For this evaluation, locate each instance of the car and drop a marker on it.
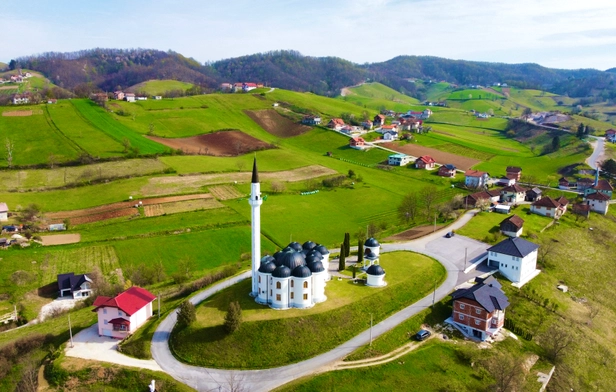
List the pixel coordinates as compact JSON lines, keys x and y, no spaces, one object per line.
{"x":423,"y":335}
{"x":450,"y":234}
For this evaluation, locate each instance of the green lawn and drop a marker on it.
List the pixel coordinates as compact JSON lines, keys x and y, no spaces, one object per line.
{"x":348,"y":308}
{"x":470,"y":94}
{"x":159,"y":87}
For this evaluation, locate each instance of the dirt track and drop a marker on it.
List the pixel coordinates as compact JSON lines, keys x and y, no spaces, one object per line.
{"x":220,"y":144}
{"x":443,"y":158}
{"x":413,"y":233}
{"x":276,"y":124}
{"x":17,"y":113}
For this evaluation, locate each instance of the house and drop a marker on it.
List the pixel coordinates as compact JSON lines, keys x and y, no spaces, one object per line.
{"x":425,"y":162}
{"x":141,"y":98}
{"x":514,"y":172}
{"x":563,"y":203}
{"x":20,"y":99}
{"x":501,"y":208}
{"x":157,"y":97}
{"x":549,"y":207}
{"x":426,"y":113}
{"x":515,"y":258}
{"x":357,"y":142}
{"x":379,"y":120}
{"x":479,"y":311}
{"x":512,"y":226}
{"x":52,"y":101}
{"x":513,"y":194}
{"x":474,"y":200}
{"x":118,"y":95}
{"x":129,"y":97}
{"x":76,"y":286}
{"x":410,"y":124}
{"x":598,"y":202}
{"x":388,"y":128}
{"x":533,"y":194}
{"x":248,"y":87}
{"x":335,"y":124}
{"x":563,"y":183}
{"x":367,"y":125}
{"x":398,"y":160}
{"x":390,"y":135}
{"x":582,"y":209}
{"x":122,"y":315}
{"x":505,"y":181}
{"x":602,"y":186}
{"x":311,"y":120}
{"x":226,"y":86}
{"x":475,"y":178}
{"x":346,"y":129}
{"x":447,"y":170}
{"x":237,"y":87}
{"x":4,"y":212}
{"x":610,"y":135}
{"x":585,"y":183}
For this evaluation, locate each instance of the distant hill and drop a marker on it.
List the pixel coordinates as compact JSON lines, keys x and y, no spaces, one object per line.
{"x":110,"y":69}
{"x":159,"y":87}
{"x":3,"y":66}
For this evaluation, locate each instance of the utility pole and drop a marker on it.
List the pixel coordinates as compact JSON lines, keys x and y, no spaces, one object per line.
{"x":159,"y":304}
{"x":370,"y":329}
{"x":435,"y":222}
{"x":434,"y":295}
{"x":70,"y":329}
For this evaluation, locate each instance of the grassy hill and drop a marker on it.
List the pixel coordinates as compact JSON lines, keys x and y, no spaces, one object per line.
{"x":159,"y":87}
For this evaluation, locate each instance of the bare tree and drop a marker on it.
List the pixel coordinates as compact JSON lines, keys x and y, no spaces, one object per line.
{"x":482,"y":204}
{"x":556,"y":340}
{"x":428,"y":195}
{"x":9,"y":146}
{"x":235,"y":382}
{"x":546,"y":248}
{"x":29,"y":376}
{"x":408,"y":209}
{"x":240,"y":163}
{"x":507,"y":371}
{"x":278,"y":187}
{"x":53,"y":161}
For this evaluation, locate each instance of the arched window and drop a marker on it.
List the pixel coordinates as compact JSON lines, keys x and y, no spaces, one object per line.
{"x":291,"y":295}
{"x":259,"y":279}
{"x":292,"y":282}
{"x":306,"y":284}
{"x":277,"y":285}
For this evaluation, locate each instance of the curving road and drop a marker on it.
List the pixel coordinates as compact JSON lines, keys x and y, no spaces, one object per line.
{"x":597,"y":154}
{"x":206,"y":379}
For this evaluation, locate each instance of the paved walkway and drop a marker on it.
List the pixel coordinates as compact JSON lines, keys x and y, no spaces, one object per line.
{"x":206,"y":379}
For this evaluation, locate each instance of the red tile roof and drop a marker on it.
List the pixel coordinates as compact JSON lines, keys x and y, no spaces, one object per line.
{"x":129,"y":301}
{"x":603,"y":185}
{"x":427,"y":159}
{"x":513,"y":169}
{"x":547,"y":202}
{"x":337,"y":121}
{"x":514,"y":188}
{"x":474,"y":173}
{"x":514,"y":220}
{"x":598,"y":196}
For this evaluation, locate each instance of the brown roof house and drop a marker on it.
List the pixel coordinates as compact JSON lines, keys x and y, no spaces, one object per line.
{"x":479,"y":311}
{"x":425,"y":162}
{"x":512,"y":226}
{"x":357,"y":142}
{"x":475,"y":200}
{"x":533,"y":194}
{"x":546,"y":206}
{"x":514,"y":173}
{"x":602,"y":186}
{"x":513,"y":194}
{"x":598,"y":202}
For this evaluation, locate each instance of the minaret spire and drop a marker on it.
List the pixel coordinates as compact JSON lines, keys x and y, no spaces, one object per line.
{"x":255,"y":172}
{"x":255,"y":202}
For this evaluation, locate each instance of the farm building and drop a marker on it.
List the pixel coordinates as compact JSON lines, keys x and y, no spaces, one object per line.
{"x":4,"y":212}
{"x":448,"y":170}
{"x":515,"y":258}
{"x":479,"y":311}
{"x":502,"y":209}
{"x":563,"y":183}
{"x":398,"y":160}
{"x":367,"y":125}
{"x":294,"y":277}
{"x":123,"y":314}
{"x":533,"y":194}
{"x":475,"y":199}
{"x":512,"y":226}
{"x":77,"y":286}
{"x":585,"y":183}
{"x":425,"y":162}
{"x":130,"y":97}
{"x":610,"y":135}
{"x":475,"y":178}
{"x":311,"y":120}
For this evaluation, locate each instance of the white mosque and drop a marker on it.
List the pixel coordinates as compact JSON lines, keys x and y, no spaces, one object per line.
{"x":295,"y":277}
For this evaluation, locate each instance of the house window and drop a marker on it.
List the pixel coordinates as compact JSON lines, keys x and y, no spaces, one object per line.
{"x":277,"y":297}
{"x":106,"y":322}
{"x":476,"y":322}
{"x":292,"y":283}
{"x":461,"y":306}
{"x":306,"y":284}
{"x":270,"y":293}
{"x":305,"y":297}
{"x":461,"y":317}
{"x":104,"y":310}
{"x":120,"y":327}
{"x":478,"y":311}
{"x":120,"y":313}
{"x":292,"y":296}
{"x":277,"y":285}
{"x":259,"y":279}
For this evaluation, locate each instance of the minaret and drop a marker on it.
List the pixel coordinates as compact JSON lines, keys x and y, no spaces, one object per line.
{"x":255,"y":202}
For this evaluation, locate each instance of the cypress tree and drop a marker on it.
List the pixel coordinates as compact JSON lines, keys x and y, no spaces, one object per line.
{"x":342,"y":261}
{"x":360,"y":251}
{"x":233,"y":318}
{"x":347,"y":244}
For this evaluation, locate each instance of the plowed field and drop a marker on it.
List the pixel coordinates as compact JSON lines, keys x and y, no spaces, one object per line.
{"x":276,"y":124}
{"x":225,"y":192}
{"x":443,"y":158}
{"x":104,"y":216}
{"x":220,"y":144}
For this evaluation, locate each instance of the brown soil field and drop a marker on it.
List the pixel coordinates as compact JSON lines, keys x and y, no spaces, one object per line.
{"x":60,"y":239}
{"x":276,"y":124}
{"x":17,"y":113}
{"x":413,"y":233}
{"x":462,"y":163}
{"x":225,"y":192}
{"x":184,"y":184}
{"x":122,"y":205}
{"x":153,"y":210}
{"x":104,"y":216}
{"x":220,"y":144}
{"x":191,"y":205}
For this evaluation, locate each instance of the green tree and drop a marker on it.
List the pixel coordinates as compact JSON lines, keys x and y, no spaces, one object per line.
{"x":233,"y":318}
{"x":187,"y":313}
{"x":609,"y":166}
{"x":581,"y":130}
{"x":409,"y":208}
{"x":526,"y":113}
{"x":342,"y":261}
{"x":555,"y":143}
{"x":347,"y":244}
{"x":360,"y":250}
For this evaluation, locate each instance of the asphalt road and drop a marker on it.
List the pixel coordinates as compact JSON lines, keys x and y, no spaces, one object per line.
{"x":597,"y":154}
{"x":207,"y":379}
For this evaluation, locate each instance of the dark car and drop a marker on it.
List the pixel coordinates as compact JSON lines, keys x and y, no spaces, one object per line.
{"x":423,"y":335}
{"x":450,"y":234}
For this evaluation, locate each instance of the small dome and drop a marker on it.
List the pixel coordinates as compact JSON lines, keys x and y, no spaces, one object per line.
{"x":308,"y":245}
{"x":267,"y":267}
{"x":302,"y":272}
{"x":281,"y":271}
{"x":295,"y":246}
{"x":371,"y":242}
{"x":322,"y":250}
{"x":369,"y":254}
{"x":317,"y":266}
{"x":375,"y":270}
{"x":293,"y":259}
{"x":267,"y":259}
{"x":313,"y":257}
{"x":316,"y":253}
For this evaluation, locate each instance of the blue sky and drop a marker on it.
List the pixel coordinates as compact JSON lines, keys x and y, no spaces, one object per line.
{"x":558,"y":34}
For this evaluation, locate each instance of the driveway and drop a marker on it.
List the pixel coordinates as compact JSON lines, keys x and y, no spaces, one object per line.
{"x":207,"y":379}
{"x":88,"y":345}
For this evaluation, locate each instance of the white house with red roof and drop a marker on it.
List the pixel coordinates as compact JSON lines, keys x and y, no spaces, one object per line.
{"x":123,"y":314}
{"x":357,"y":142}
{"x":599,"y":202}
{"x":475,"y":178}
{"x":425,"y":162}
{"x":610,"y":135}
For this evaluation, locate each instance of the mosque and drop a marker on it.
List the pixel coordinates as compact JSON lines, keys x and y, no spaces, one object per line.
{"x":295,"y":277}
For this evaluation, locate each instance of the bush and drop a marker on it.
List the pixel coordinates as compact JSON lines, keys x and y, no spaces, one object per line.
{"x":333,"y":182}
{"x":233,"y":318}
{"x":187,"y":314}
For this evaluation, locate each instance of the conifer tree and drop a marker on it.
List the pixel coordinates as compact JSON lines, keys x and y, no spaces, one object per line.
{"x":347,"y":244}
{"x":187,"y":314}
{"x":360,"y":251}
{"x":233,"y":318}
{"x":342,"y":262}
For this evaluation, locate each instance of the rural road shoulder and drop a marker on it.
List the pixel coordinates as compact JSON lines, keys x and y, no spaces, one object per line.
{"x":206,"y":379}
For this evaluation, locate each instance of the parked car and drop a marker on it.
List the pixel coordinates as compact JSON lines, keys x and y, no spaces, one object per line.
{"x":423,"y":335}
{"x":450,"y":234}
